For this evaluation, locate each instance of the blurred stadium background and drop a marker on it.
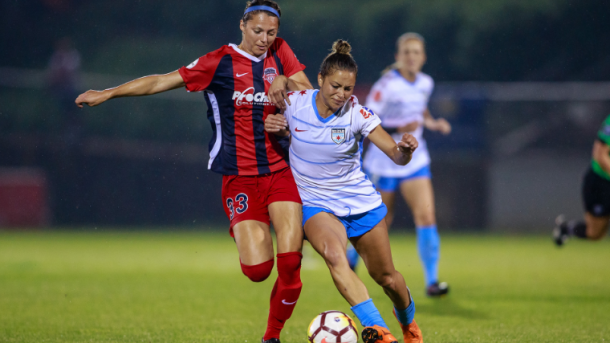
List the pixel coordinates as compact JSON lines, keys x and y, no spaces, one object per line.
{"x":525,"y":84}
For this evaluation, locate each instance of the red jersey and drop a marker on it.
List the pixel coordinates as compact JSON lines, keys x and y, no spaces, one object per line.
{"x":235,"y":86}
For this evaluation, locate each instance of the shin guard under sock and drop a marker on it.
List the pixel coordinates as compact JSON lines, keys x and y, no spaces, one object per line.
{"x":285,"y":292}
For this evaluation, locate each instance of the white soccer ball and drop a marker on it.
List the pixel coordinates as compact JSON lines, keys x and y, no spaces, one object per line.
{"x":332,"y":327}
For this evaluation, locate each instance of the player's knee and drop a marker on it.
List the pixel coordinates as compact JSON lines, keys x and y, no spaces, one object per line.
{"x":384,"y":279}
{"x":258,"y":272}
{"x":289,"y":266}
{"x":424,"y":218}
{"x":335,"y":258}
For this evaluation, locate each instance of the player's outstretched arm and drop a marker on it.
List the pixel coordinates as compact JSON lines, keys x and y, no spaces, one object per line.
{"x":441,"y":125}
{"x":400,"y":152}
{"x":277,"y":124}
{"x":278,"y":91}
{"x":146,"y":85}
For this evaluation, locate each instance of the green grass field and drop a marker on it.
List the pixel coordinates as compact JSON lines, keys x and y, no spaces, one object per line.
{"x":188,"y":287}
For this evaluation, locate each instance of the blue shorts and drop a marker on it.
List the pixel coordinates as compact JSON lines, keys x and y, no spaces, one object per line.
{"x":355,"y":225}
{"x":390,"y":184}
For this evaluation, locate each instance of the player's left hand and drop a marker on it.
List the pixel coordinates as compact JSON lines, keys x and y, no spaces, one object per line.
{"x":407,"y":144}
{"x":278,"y":92}
{"x":443,"y":126}
{"x":275,"y":123}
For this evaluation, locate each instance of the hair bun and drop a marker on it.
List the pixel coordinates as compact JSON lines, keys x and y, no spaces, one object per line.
{"x":342,"y":47}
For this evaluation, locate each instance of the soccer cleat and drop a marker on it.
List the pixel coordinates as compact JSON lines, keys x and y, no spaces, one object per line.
{"x":410,"y":333}
{"x":377,"y":334}
{"x":560,"y":232}
{"x":437,"y":289}
{"x":270,"y":340}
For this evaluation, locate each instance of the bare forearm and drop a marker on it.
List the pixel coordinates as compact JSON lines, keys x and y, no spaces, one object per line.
{"x":298,"y":86}
{"x":146,"y":85}
{"x":604,"y":162}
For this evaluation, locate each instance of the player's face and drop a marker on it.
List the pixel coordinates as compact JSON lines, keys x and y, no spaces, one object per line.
{"x":258,"y":33}
{"x":337,"y":88}
{"x":411,"y":56}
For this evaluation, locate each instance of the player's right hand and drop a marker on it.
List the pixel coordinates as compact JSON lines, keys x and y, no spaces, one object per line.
{"x":275,"y":123}
{"x":278,"y":92}
{"x":91,"y":98}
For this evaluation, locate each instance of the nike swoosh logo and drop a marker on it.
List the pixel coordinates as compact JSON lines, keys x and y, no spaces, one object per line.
{"x":240,"y":75}
{"x":297,"y":130}
{"x":287,"y":303}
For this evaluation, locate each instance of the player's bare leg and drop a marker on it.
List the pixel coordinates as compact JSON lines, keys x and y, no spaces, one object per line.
{"x":374,"y":248}
{"x":389,"y":199}
{"x":419,"y":195}
{"x":592,"y":228}
{"x":327,"y":236}
{"x":596,"y":226}
{"x":286,"y":217}
{"x":254,"y":242}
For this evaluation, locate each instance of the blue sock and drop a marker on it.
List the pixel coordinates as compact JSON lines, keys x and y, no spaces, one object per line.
{"x":428,"y":244}
{"x":352,"y":257}
{"x":405,"y":317}
{"x":368,"y":314}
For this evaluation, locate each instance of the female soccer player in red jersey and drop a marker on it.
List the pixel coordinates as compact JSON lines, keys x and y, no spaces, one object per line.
{"x":258,"y":186}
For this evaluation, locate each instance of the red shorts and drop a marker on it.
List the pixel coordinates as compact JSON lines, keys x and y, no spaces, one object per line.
{"x":248,"y":197}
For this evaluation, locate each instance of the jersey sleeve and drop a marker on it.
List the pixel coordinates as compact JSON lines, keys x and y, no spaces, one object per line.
{"x":365,"y":120}
{"x":376,"y":98}
{"x":604,"y":132}
{"x":290,"y":63}
{"x":290,"y":109}
{"x":198,"y":75}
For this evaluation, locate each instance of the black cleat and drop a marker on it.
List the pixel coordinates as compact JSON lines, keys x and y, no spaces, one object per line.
{"x":270,"y":340}
{"x":437,"y":289}
{"x":560,"y":232}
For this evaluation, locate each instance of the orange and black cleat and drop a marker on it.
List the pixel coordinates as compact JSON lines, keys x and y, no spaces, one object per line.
{"x":377,"y":334}
{"x":411,"y":333}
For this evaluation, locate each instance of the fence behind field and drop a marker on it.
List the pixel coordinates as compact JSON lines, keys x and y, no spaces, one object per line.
{"x":513,"y":162}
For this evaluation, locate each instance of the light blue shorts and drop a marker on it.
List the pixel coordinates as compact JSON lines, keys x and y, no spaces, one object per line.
{"x":390,"y":184}
{"x":355,"y":225}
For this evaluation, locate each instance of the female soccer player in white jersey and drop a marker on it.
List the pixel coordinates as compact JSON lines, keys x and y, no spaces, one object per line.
{"x":327,"y":128}
{"x":258,"y":186}
{"x":400,"y":98}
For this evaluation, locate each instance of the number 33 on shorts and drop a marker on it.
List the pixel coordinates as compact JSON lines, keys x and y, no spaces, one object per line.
{"x":239,"y":205}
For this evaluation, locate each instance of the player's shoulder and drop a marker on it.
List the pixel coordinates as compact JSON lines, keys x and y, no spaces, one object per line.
{"x":425,"y":80}
{"x":298,"y":98}
{"x":211,"y":57}
{"x":355,"y":108}
{"x":278,"y":44}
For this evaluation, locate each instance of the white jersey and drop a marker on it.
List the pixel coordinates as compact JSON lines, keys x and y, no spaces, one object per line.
{"x":325,"y":155}
{"x":399,"y":102}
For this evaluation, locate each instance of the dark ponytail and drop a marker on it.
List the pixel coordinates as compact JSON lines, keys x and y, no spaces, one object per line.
{"x":339,"y":59}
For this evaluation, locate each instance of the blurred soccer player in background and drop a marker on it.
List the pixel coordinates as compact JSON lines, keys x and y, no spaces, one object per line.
{"x":258,"y":186}
{"x":400,"y":98}
{"x":340,"y":203}
{"x":595,"y":193}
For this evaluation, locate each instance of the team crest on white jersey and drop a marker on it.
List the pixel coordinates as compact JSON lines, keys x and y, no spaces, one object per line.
{"x":269,"y":74}
{"x":338,"y":135}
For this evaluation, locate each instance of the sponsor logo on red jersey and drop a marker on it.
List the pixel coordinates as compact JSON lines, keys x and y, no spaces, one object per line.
{"x":248,"y":97}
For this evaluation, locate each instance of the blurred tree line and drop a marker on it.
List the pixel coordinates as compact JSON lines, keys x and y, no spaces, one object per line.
{"x":499,"y":40}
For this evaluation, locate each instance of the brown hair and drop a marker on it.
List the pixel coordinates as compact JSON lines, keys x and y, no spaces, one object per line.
{"x":339,"y":59}
{"x":269,"y":3}
{"x":403,"y":38}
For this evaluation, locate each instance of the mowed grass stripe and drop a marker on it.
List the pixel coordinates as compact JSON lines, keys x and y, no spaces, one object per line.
{"x":188,"y":287}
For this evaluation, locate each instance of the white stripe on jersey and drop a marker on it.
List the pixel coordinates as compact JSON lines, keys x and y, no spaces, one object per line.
{"x":325,"y":155}
{"x":399,"y":102}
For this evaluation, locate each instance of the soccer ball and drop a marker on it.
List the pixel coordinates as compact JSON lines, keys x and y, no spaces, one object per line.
{"x":332,"y":327}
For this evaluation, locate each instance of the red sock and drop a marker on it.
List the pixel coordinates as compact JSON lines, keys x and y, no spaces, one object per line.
{"x":285,"y":292}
